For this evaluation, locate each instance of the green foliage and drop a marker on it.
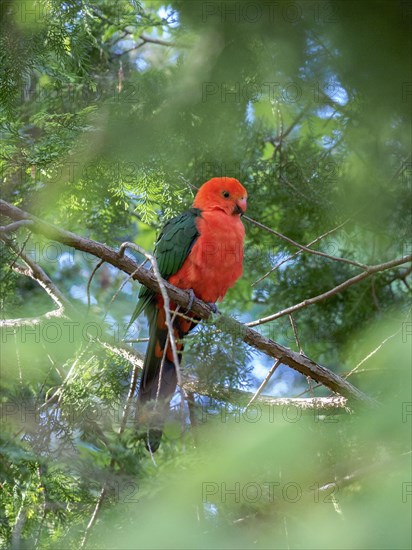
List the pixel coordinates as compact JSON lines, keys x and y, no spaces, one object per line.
{"x":110,"y":113}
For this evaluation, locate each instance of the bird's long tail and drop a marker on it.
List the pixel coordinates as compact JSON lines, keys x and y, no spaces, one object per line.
{"x":158,"y":382}
{"x":159,"y":379}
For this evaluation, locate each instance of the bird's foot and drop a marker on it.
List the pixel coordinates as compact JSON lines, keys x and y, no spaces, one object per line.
{"x":192,"y":297}
{"x":191,"y":300}
{"x":213,"y":307}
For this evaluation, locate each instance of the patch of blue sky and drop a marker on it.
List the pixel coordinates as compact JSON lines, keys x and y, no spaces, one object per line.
{"x":141,"y":64}
{"x":336,"y":93}
{"x":123,"y":45}
{"x":210,"y":509}
{"x":66,"y":260}
{"x":282,"y":383}
{"x":250,"y":113}
{"x":327,"y":111}
{"x":130,"y":288}
{"x":328,"y":142}
{"x":277,"y":257}
{"x":78,"y":293}
{"x":260,"y":295}
{"x":339,"y":94}
{"x":170,"y":15}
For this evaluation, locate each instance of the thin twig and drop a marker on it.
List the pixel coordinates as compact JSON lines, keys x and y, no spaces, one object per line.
{"x":115,"y":295}
{"x":401,"y":276}
{"x":103,"y":492}
{"x":191,"y":405}
{"x":310,"y":388}
{"x":372,"y":353}
{"x":355,"y":369}
{"x":265,"y":382}
{"x":35,"y":272}
{"x":132,"y":389}
{"x":300,"y":251}
{"x":157,"y":41}
{"x":295,"y":332}
{"x":242,"y":398}
{"x":122,"y":349}
{"x":364,"y":471}
{"x":58,"y":394}
{"x":89,"y":282}
{"x":94,"y":516}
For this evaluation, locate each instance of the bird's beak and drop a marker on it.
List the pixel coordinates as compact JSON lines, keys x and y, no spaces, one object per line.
{"x":240,"y":207}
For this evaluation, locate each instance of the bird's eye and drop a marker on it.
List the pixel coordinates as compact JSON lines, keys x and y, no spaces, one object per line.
{"x":226,"y":194}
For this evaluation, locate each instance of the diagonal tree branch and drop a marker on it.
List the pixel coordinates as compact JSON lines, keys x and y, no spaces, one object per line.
{"x":297,"y":361}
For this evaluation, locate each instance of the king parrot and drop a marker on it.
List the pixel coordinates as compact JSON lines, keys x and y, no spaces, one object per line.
{"x":199,"y":250}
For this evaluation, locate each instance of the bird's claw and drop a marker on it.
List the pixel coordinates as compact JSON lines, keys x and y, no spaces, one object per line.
{"x":213,"y":307}
{"x":192,"y":297}
{"x":191,"y":300}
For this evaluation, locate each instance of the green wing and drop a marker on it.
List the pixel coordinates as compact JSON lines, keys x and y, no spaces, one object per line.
{"x":172,"y":248}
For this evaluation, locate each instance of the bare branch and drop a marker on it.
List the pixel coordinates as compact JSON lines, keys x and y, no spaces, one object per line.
{"x":283,"y":134}
{"x":132,"y":49}
{"x":116,"y":294}
{"x":356,"y":367}
{"x":125,"y":351}
{"x":370,"y":270}
{"x":132,"y":389}
{"x":15,"y":226}
{"x":151,"y":40}
{"x":93,"y":518}
{"x":243,"y":398}
{"x":305,"y":248}
{"x":372,"y":353}
{"x":145,"y":40}
{"x":32,"y":321}
{"x":300,"y":251}
{"x":402,"y":275}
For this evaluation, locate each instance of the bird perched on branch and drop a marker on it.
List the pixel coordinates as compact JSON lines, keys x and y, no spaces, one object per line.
{"x":200,"y":250}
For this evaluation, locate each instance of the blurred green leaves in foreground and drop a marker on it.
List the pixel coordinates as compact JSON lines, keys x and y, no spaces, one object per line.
{"x":280,"y":478}
{"x":110,"y":112}
{"x":263,"y":477}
